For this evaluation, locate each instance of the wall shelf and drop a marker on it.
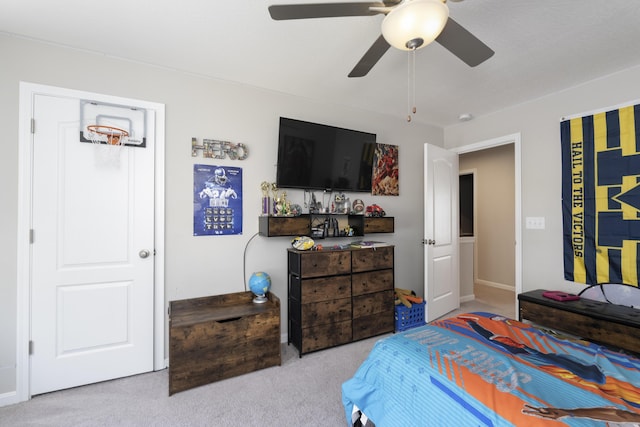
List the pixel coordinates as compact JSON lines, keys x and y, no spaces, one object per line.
{"x":274,"y":226}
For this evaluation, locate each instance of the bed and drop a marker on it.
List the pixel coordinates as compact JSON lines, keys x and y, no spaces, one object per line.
{"x":481,"y":369}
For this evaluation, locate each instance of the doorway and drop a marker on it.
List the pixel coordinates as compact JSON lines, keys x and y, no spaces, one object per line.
{"x":498,"y":280}
{"x":58,"y":112}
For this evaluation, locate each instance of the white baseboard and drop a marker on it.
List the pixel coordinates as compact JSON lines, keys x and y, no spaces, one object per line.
{"x":496,"y":285}
{"x":9,"y":398}
{"x":467,"y":298}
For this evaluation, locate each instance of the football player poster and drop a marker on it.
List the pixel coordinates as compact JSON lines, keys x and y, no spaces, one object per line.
{"x":217,"y":200}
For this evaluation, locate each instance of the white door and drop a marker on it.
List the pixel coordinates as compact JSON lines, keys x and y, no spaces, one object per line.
{"x":441,"y":264}
{"x":92,"y":287}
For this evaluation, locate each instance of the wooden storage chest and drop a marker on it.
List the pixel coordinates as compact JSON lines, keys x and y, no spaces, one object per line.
{"x":610,"y":324}
{"x":218,"y":337}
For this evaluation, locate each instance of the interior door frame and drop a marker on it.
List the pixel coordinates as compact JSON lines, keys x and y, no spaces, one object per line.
{"x":514,"y":139}
{"x":470,"y":239}
{"x":28,"y":91}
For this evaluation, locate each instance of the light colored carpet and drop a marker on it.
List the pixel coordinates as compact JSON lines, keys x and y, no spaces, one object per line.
{"x":301,"y":392}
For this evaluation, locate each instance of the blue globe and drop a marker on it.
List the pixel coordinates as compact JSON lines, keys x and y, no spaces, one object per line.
{"x":260,"y":283}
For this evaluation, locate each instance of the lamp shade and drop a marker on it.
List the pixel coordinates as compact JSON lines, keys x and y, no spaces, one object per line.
{"x":415,"y":23}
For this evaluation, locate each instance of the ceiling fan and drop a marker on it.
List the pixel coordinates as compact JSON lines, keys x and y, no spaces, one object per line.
{"x":407,"y":25}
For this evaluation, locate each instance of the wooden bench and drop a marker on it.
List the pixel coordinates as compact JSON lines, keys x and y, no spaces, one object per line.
{"x":615,"y":326}
{"x":218,"y":337}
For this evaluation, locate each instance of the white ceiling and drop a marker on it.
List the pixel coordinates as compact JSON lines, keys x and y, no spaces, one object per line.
{"x":541,"y":47}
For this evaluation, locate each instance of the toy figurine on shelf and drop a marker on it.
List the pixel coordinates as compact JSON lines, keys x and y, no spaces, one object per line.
{"x":313,"y":205}
{"x":274,"y":197}
{"x":358,"y":207}
{"x":342,"y":204}
{"x":277,"y":206}
{"x":282,"y":205}
{"x":287,"y":205}
{"x":336,"y":205}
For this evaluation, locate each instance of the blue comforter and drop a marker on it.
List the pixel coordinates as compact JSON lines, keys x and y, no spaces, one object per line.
{"x":479,"y":369}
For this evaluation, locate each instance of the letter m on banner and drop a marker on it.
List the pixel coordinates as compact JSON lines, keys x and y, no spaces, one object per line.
{"x":601,"y":197}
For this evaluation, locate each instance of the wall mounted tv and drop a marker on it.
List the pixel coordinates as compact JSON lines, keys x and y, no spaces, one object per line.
{"x":320,"y":157}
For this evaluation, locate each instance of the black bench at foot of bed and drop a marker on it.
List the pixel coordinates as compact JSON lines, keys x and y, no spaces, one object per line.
{"x":613,"y":325}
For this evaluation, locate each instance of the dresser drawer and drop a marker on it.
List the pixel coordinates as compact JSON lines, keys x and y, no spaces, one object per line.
{"x":325,"y":288}
{"x":372,"y":281}
{"x":372,"y":259}
{"x":369,"y":326}
{"x":380,"y":302}
{"x":317,"y":264}
{"x":324,"y":336}
{"x":332,"y":311}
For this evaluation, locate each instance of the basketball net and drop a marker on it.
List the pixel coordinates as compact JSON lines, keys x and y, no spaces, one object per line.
{"x":108,"y":141}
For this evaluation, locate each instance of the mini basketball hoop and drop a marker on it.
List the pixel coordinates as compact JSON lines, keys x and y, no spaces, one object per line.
{"x":109,"y":141}
{"x":110,"y":135}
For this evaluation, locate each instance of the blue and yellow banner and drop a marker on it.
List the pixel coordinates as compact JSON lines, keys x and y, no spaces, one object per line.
{"x":601,"y":197}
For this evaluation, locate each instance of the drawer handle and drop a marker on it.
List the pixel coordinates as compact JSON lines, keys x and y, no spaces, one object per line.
{"x":231,"y":319}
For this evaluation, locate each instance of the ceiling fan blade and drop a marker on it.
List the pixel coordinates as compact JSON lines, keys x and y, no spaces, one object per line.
{"x":322,"y":10}
{"x":370,"y":58}
{"x":457,"y":40}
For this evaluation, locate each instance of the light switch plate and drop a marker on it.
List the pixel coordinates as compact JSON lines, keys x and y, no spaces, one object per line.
{"x":534,"y":222}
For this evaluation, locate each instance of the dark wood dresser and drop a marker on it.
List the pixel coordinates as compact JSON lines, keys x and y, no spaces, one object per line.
{"x":339,"y":296}
{"x":615,"y":326}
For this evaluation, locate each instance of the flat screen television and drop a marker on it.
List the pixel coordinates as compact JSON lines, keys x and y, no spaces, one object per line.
{"x":320,"y":157}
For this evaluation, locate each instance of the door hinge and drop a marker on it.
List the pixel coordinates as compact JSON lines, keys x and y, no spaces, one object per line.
{"x":30,"y":348}
{"x":33,"y":125}
{"x":31,"y":236}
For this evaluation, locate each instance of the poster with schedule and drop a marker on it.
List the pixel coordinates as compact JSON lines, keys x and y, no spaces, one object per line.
{"x":217,"y":200}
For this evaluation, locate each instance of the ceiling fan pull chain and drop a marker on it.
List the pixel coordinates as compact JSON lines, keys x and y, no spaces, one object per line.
{"x":413,"y":66}
{"x":408,"y":87}
{"x":411,"y":83}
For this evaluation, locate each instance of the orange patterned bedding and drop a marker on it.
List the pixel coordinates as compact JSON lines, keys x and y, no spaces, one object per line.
{"x":480,"y":369}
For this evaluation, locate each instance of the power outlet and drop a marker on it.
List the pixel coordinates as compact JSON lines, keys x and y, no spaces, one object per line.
{"x":534,"y":222}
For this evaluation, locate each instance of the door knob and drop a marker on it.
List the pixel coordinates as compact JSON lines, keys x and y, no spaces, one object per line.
{"x":428,"y":242}
{"x":143,"y":253}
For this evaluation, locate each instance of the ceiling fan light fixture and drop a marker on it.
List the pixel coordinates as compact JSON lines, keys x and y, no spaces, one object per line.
{"x":415,"y":23}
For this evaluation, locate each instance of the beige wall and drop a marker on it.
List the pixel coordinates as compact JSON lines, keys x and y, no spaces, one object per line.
{"x":538,"y":122}
{"x":203,"y":108}
{"x":495,"y":214}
